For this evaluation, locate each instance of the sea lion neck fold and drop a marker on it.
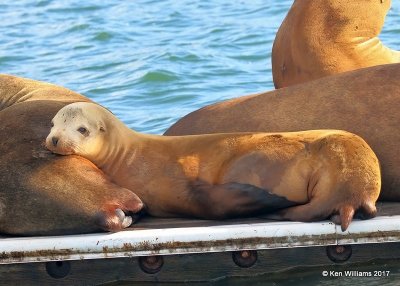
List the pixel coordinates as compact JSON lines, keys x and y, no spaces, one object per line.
{"x":117,"y":147}
{"x":323,"y":37}
{"x":124,"y":147}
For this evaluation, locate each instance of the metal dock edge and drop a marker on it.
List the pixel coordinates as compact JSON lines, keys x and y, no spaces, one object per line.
{"x":185,"y":240}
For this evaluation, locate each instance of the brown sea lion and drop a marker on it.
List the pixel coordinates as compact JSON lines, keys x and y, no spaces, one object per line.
{"x":44,"y":194}
{"x":322,"y":172}
{"x":365,"y":102}
{"x":324,"y":37}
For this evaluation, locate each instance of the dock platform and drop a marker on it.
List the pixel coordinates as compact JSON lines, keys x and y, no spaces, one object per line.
{"x":179,"y":250}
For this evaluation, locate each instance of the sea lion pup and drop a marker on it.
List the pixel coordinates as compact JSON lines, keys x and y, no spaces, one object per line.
{"x":365,"y":102}
{"x":322,"y":172}
{"x":324,"y":37}
{"x":42,"y":193}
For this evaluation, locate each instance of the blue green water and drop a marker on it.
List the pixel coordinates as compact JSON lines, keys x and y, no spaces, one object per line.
{"x":150,"y":62}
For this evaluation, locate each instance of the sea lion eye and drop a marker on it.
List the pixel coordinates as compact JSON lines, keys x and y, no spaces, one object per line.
{"x":83,"y":131}
{"x":52,"y":123}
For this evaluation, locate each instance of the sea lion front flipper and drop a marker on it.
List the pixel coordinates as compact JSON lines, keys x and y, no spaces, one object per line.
{"x":234,"y":200}
{"x":115,"y":216}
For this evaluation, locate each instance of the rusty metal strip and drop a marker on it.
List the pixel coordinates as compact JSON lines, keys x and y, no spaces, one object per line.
{"x":196,"y":240}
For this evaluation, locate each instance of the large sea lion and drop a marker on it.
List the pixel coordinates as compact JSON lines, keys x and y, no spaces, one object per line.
{"x":365,"y":102}
{"x":44,"y":194}
{"x":322,"y":172}
{"x":325,"y":37}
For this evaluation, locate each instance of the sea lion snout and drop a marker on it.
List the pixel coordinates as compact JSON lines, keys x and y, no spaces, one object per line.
{"x":57,"y":144}
{"x":54,"y":140}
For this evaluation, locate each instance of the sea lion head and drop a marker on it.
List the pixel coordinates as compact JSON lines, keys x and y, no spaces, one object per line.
{"x":78,"y":128}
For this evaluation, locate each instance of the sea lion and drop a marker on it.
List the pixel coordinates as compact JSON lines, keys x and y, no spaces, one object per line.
{"x":44,"y":194}
{"x":321,"y":172}
{"x":324,"y":37}
{"x":364,"y":102}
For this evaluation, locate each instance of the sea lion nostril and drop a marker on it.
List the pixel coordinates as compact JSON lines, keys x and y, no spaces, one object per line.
{"x":55,"y":141}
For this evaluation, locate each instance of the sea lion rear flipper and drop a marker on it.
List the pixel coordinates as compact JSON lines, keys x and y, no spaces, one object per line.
{"x":346,"y":214}
{"x":368,"y":210}
{"x":235,"y":199}
{"x":315,"y":211}
{"x":311,"y":211}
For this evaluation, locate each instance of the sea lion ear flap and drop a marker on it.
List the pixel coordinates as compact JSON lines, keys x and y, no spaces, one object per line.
{"x":102,"y":126}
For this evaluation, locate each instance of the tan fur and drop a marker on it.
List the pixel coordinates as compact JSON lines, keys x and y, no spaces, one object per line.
{"x":364,"y":102}
{"x":44,"y":194}
{"x":15,"y":90}
{"x":324,"y":37}
{"x":329,"y":169}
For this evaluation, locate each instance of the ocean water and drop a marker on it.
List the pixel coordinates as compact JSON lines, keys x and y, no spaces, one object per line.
{"x":151,"y":62}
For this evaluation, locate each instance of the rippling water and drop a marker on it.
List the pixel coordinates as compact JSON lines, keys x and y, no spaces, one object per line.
{"x":150,"y":62}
